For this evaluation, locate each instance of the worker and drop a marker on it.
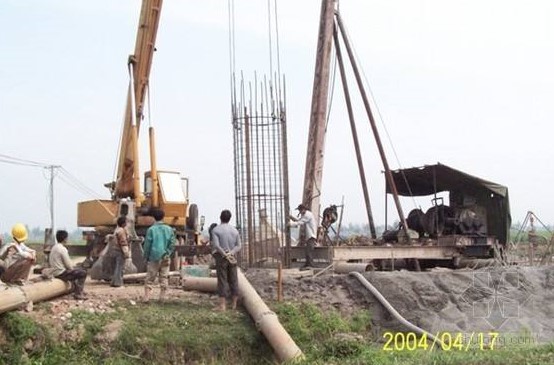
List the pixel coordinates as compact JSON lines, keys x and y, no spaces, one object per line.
{"x":330,"y":216}
{"x":17,"y":257}
{"x":62,"y":268}
{"x":121,"y":252}
{"x":307,"y":221}
{"x":158,"y":247}
{"x":226,"y":244}
{"x":210,"y":233}
{"x":2,"y":265}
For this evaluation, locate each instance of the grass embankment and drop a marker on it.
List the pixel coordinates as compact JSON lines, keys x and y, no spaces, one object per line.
{"x":169,"y":333}
{"x":178,"y":333}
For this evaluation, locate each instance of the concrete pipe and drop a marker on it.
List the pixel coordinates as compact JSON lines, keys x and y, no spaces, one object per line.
{"x":348,"y":267}
{"x":142,"y":276}
{"x":201,"y":284}
{"x":17,"y":296}
{"x":266,"y":321}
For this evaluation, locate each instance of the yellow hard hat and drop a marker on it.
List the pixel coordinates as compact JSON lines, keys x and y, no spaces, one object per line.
{"x":19,"y":232}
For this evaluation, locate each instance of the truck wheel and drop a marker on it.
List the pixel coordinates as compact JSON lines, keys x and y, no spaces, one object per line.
{"x":192,"y":219}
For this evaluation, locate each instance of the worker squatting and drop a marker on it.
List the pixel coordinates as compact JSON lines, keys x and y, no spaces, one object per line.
{"x":17,"y":259}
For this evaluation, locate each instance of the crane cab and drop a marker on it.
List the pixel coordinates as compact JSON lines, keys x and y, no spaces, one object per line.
{"x":172,"y":196}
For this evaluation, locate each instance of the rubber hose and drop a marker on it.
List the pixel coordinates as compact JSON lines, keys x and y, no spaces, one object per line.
{"x":391,"y":309}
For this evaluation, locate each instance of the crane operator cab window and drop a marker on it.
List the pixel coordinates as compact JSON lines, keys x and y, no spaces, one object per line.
{"x":174,"y":189}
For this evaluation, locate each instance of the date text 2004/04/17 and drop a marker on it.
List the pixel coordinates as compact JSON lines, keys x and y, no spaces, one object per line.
{"x":447,"y":341}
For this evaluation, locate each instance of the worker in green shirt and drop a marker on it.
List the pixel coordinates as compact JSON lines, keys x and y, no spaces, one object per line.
{"x":158,"y":247}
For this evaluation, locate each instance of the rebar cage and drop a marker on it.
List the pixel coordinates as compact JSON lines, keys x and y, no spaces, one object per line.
{"x":261,"y":172}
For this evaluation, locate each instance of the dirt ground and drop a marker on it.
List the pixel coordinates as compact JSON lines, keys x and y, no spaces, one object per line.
{"x":513,"y":301}
{"x":101,"y":297}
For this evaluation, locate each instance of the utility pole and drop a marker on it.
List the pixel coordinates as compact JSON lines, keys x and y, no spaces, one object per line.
{"x":49,"y":234}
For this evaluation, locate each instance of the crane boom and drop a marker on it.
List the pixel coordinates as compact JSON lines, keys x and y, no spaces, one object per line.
{"x":165,"y":190}
{"x":141,"y":62}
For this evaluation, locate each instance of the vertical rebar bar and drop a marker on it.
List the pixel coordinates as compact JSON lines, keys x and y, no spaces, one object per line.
{"x":248,"y":188}
{"x":285,"y":175}
{"x":257,"y":160}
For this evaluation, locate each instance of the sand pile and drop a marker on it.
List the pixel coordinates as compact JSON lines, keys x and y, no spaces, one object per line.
{"x":514,"y":301}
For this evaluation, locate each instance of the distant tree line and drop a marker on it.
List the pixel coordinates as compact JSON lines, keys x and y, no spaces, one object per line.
{"x":36,"y":234}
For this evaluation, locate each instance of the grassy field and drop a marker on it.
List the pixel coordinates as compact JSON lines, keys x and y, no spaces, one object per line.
{"x":191,"y":333}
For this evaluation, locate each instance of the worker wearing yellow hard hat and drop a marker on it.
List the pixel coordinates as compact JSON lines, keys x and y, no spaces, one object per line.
{"x":17,"y":258}
{"x":19,"y":232}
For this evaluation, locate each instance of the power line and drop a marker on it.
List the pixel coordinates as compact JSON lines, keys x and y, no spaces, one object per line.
{"x":21,"y":162}
{"x":75,"y":183}
{"x":53,"y":171}
{"x":50,"y":196}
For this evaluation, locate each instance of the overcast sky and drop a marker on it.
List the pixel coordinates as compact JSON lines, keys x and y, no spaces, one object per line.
{"x":466,"y":83}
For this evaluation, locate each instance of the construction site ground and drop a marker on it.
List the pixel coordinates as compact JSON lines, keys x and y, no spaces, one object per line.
{"x":513,"y":301}
{"x":516,"y":303}
{"x":438,"y":300}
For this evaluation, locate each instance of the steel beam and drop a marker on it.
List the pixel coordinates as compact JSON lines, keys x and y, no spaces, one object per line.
{"x":345,"y":253}
{"x":395,"y":252}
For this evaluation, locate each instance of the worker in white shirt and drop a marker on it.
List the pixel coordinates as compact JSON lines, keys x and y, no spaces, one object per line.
{"x":62,"y":267}
{"x":307,"y":221}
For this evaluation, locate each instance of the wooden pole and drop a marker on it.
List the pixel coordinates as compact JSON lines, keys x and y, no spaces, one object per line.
{"x":388,"y":173}
{"x":280,"y":282}
{"x":313,"y":173}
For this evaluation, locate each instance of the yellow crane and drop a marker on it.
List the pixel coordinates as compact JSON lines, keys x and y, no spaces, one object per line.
{"x":167,"y":190}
